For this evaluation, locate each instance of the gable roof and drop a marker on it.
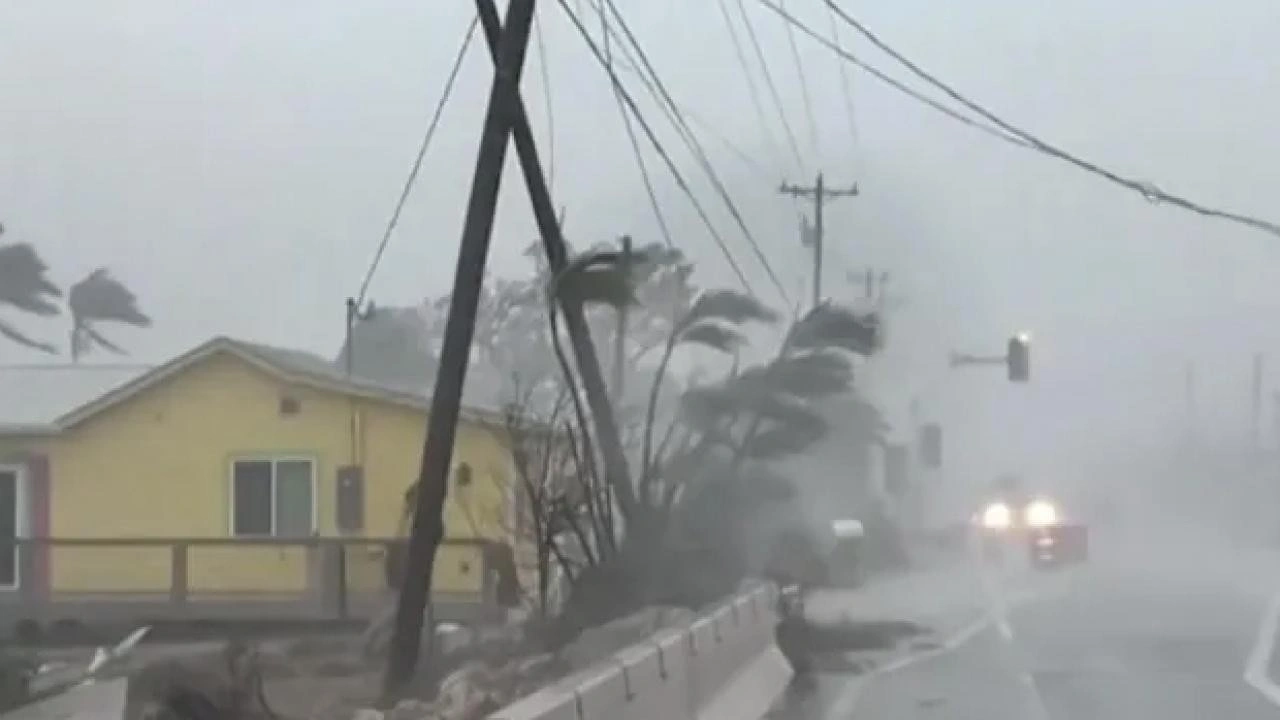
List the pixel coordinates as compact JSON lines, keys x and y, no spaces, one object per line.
{"x":290,"y":366}
{"x":33,"y":396}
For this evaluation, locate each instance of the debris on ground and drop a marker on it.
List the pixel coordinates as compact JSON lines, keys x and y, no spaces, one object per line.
{"x":478,"y":672}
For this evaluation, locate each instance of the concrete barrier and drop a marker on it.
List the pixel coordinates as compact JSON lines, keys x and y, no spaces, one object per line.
{"x":92,"y":701}
{"x":725,"y":665}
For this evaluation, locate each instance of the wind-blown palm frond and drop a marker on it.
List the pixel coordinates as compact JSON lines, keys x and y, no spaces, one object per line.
{"x":101,"y":298}
{"x":602,"y":277}
{"x":811,"y":375}
{"x":17,"y":336}
{"x":23,"y":285}
{"x":716,"y":337}
{"x":832,"y":326}
{"x":22,"y":280}
{"x":783,"y":440}
{"x":784,"y":410}
{"x":728,"y":306}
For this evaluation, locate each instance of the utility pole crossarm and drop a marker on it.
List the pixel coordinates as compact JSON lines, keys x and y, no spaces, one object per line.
{"x":808,"y":192}
{"x":820,"y":195}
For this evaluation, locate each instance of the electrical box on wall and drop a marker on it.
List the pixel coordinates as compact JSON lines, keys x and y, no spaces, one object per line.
{"x":350,"y":500}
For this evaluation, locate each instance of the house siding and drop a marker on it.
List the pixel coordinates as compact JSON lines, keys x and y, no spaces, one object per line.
{"x":158,"y":465}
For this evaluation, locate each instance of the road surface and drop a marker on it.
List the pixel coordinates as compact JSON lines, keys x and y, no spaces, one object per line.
{"x":1142,"y":632}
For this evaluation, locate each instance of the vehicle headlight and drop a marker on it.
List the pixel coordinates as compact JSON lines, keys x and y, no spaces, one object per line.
{"x":1041,"y":513}
{"x":997,"y":516}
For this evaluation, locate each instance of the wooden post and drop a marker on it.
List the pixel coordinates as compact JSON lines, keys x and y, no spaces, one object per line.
{"x":584,"y":351}
{"x":446,"y":400}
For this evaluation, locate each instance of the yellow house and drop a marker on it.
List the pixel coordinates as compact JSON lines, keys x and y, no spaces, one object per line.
{"x":236,"y":441}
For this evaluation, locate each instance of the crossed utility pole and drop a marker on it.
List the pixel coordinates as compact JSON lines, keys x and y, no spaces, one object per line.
{"x":505,"y":119}
{"x":821,"y":195}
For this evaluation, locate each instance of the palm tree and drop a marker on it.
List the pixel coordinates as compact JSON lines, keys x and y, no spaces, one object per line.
{"x":100,"y":298}
{"x":23,"y":285}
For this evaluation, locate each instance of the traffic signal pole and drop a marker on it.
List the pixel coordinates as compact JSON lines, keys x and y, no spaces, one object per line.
{"x":820,"y":194}
{"x":1017,"y":359}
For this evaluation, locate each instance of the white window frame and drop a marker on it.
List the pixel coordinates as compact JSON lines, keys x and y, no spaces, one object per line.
{"x":273,"y":459}
{"x":21,"y":521}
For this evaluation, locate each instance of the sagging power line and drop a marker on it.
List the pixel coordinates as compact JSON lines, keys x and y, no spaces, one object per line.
{"x":681,"y":182}
{"x":773,"y":88}
{"x":889,"y":80}
{"x":804,"y":89}
{"x":1006,"y":130}
{"x":654,"y":84}
{"x":427,"y":136}
{"x":695,"y":147}
{"x":606,"y":32}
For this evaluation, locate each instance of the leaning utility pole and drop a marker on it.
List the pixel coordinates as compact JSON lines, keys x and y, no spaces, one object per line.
{"x":620,"y":333}
{"x":506,"y":115}
{"x":820,"y":194}
{"x":446,"y":400}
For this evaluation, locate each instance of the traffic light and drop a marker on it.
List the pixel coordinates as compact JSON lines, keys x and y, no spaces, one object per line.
{"x":1019,"y":358}
{"x":931,"y":446}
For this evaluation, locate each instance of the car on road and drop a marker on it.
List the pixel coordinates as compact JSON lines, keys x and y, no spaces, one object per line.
{"x":1037,"y":524}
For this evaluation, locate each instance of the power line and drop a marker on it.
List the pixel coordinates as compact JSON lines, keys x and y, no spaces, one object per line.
{"x":417,"y":162}
{"x":891,"y":81}
{"x":731,"y":146}
{"x":804,"y":88}
{"x":685,"y":112}
{"x":768,"y":79}
{"x":751,"y":83}
{"x":677,"y":114}
{"x":846,"y":90}
{"x":671,"y":166}
{"x":546,"y":99}
{"x":691,"y":140}
{"x":606,"y":33}
{"x":1146,"y":189}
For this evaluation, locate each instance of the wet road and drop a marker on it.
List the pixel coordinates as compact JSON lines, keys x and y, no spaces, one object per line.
{"x":1137,"y":634}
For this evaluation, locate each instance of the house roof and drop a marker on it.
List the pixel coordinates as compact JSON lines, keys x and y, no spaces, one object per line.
{"x":34,"y":396}
{"x":291,"y":366}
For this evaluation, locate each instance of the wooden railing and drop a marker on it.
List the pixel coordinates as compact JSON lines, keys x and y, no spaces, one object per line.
{"x":199,"y":579}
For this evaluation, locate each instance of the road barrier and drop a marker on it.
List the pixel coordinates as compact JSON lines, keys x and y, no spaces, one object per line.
{"x":725,"y":665}
{"x":91,"y":701}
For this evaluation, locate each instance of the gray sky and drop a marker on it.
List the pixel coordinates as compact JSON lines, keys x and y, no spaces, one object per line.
{"x":235,"y":162}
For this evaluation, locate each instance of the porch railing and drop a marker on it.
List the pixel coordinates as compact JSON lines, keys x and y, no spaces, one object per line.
{"x":222,"y":579}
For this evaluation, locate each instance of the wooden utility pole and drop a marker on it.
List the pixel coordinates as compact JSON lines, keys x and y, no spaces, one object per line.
{"x":506,"y":114}
{"x":620,"y":334}
{"x":820,"y":194}
{"x":437,"y":453}
{"x":608,"y":437}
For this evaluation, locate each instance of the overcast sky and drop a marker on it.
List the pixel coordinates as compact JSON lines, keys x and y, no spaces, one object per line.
{"x":235,"y":162}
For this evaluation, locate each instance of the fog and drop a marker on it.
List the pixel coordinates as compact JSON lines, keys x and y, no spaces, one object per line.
{"x":197,"y":148}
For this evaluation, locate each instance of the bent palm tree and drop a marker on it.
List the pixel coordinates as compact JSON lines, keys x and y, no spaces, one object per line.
{"x":100,"y":298}
{"x":24,"y":286}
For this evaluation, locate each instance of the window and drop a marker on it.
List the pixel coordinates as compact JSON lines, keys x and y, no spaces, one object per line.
{"x":273,"y":497}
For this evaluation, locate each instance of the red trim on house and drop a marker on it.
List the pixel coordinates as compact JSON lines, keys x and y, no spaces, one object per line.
{"x":39,"y":477}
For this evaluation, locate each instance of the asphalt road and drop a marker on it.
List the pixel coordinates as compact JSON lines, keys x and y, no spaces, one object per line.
{"x":1146,"y":630}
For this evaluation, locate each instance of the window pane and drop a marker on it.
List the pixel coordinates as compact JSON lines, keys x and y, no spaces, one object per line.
{"x":251,"y":495}
{"x":8,"y":528}
{"x":293,"y":498}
